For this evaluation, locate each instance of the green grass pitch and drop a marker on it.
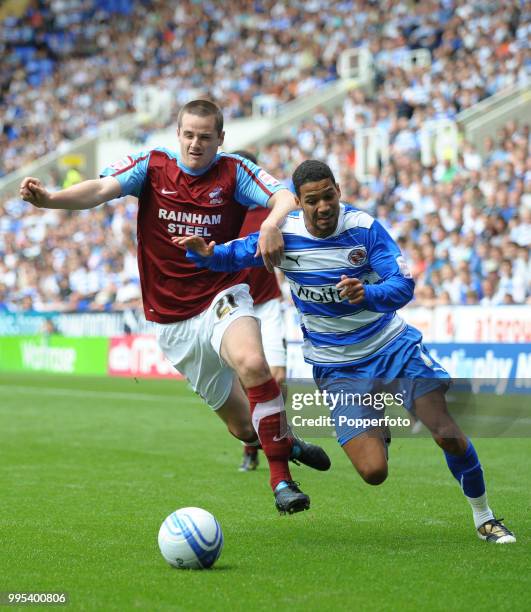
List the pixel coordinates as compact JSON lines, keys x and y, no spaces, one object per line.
{"x":89,"y":468}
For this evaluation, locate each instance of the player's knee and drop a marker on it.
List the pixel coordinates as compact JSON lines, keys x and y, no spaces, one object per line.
{"x":442,"y":426}
{"x":373,"y":474}
{"x":251,"y":366}
{"x":243,"y":431}
{"x":445,"y":433}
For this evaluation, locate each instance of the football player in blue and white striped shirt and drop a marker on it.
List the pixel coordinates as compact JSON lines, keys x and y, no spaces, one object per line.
{"x":347,"y":279}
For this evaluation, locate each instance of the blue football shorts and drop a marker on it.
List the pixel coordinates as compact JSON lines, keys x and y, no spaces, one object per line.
{"x":361,"y":392}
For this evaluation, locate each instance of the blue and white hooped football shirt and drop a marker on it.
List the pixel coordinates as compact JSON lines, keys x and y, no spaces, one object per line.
{"x":335,"y":332}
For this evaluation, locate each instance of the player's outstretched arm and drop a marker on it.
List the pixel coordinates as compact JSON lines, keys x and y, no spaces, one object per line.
{"x":230,"y":257}
{"x":86,"y":194}
{"x":271,"y":243}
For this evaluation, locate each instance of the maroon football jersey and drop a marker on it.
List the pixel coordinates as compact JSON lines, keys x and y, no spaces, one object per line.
{"x":263,"y":284}
{"x":174,"y":202}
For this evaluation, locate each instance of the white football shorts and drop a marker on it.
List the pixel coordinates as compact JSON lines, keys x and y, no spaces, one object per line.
{"x":273,"y":331}
{"x":193,"y":345}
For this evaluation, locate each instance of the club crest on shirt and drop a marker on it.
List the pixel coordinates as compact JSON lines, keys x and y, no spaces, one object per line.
{"x":358,"y":256}
{"x":215,"y":196}
{"x":123,"y":163}
{"x":267,"y":179}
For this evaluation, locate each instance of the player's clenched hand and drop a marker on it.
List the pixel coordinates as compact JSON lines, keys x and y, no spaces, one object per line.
{"x":195,"y":244}
{"x":33,"y":191}
{"x":270,"y":245}
{"x":351,"y":289}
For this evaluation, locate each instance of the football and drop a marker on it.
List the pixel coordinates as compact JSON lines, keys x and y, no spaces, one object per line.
{"x":190,"y":538}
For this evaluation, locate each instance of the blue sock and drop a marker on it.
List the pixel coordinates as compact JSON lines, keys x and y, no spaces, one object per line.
{"x":467,"y":471}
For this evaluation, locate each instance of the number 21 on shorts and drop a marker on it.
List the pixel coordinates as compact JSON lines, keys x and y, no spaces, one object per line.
{"x":225,"y":306}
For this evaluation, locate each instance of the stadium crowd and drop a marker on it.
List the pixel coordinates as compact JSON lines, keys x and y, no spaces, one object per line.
{"x":465,"y":229}
{"x":464,"y":224}
{"x":83,"y":61}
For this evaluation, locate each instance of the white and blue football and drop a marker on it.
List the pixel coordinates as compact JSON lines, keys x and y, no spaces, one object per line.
{"x":190,"y":538}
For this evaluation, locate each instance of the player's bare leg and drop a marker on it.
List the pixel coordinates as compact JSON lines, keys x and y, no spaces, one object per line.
{"x":241,"y":349}
{"x":367,"y":453}
{"x":236,"y":416}
{"x":464,"y":464}
{"x":432,"y":410}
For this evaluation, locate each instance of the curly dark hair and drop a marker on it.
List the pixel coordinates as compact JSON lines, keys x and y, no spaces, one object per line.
{"x":309,"y":171}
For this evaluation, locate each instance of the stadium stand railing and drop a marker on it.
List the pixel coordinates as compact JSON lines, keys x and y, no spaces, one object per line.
{"x":292,"y":113}
{"x":261,"y":130}
{"x":272,"y":120}
{"x":356,"y":64}
{"x":487,"y":116}
{"x":355,"y":69}
{"x":439,"y":141}
{"x":83,"y":151}
{"x":438,"y":138}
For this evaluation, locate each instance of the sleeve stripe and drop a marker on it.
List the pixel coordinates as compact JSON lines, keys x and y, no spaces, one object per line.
{"x":255,"y":179}
{"x":130,"y":165}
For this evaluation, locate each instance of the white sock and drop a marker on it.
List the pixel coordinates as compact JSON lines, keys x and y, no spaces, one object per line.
{"x":480,"y":509}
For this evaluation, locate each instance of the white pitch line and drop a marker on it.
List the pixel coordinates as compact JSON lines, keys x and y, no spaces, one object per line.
{"x":91,"y":393}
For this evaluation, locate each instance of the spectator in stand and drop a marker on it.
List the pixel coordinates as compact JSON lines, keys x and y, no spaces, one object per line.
{"x":4,"y":303}
{"x":73,"y":176}
{"x":471,"y":297}
{"x":465,"y":284}
{"x":510,"y":284}
{"x":444,"y":299}
{"x":488,"y":289}
{"x":426,"y":296}
{"x":64,"y":59}
{"x":521,"y":229}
